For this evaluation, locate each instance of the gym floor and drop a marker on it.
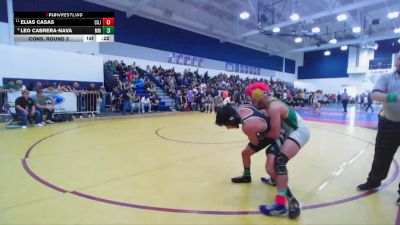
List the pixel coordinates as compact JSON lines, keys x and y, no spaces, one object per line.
{"x":176,"y":169}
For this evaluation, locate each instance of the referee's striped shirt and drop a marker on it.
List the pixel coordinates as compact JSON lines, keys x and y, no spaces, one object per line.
{"x":390,"y":83}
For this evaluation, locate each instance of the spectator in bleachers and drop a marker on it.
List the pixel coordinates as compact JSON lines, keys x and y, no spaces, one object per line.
{"x":243,"y":98}
{"x":30,"y":86}
{"x":91,"y":97}
{"x":298,"y":100}
{"x":45,"y":105}
{"x":284,"y":96}
{"x":25,"y":109}
{"x":184,"y":99}
{"x":332,"y":98}
{"x":135,"y":100}
{"x":306,"y":97}
{"x":103,"y":95}
{"x":20,"y":84}
{"x":209,"y":104}
{"x":62,"y":87}
{"x":218,"y":102}
{"x":116,"y":100}
{"x":172,"y":91}
{"x":301,"y":96}
{"x":145,"y":103}
{"x":147,"y":84}
{"x":11,"y":86}
{"x":236,"y":97}
{"x":3,"y":95}
{"x":129,"y":75}
{"x":68,"y":87}
{"x":190,"y":99}
{"x":133,"y":84}
{"x":78,"y":90}
{"x":289,"y":100}
{"x":338,"y":97}
{"x":179,"y":101}
{"x":198,"y":100}
{"x":171,"y":82}
{"x":325,"y":99}
{"x":203,"y":87}
{"x":38,"y":86}
{"x":203,"y":101}
{"x":50,"y":88}
{"x":151,"y":88}
{"x":227,"y":99}
{"x":92,"y":87}
{"x":76,"y":87}
{"x":154,"y":101}
{"x":126,"y":99}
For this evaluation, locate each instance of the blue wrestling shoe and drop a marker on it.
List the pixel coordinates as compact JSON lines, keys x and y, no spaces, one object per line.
{"x":273,"y":209}
{"x":268,"y":181}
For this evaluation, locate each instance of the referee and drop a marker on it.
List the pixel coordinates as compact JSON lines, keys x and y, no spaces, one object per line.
{"x":345,"y":100}
{"x":387,"y":91}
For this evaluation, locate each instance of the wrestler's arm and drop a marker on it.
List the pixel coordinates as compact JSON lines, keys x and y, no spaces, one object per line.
{"x":274,"y":114}
{"x":251,"y":129}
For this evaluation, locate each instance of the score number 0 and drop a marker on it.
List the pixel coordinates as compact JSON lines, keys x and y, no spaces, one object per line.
{"x":108,"y":21}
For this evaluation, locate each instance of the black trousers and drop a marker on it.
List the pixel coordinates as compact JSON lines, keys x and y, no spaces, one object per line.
{"x":345,"y":103}
{"x":369,"y":106}
{"x":387,"y":143}
{"x":48,"y":112}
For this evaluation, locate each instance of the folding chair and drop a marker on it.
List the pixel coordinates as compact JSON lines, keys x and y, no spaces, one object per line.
{"x":13,"y":123}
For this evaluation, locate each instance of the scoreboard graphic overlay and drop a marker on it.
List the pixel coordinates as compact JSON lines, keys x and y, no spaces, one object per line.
{"x":64,"y":26}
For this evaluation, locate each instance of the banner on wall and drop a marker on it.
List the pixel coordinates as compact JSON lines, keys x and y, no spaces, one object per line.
{"x":195,"y":61}
{"x":380,"y":63}
{"x":230,"y":67}
{"x":187,"y":59}
{"x":239,"y":68}
{"x":177,"y":58}
{"x":171,"y":58}
{"x":64,"y":101}
{"x":201,"y":62}
{"x":254,"y":70}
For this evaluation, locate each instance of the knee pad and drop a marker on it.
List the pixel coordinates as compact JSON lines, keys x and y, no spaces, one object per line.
{"x":262,"y":143}
{"x":273,"y":148}
{"x":280,"y":164}
{"x":276,"y":145}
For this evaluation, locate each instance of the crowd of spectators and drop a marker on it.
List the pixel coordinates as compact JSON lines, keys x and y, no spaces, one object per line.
{"x":193,"y":91}
{"x":18,"y":85}
{"x":129,"y":89}
{"x":87,"y":97}
{"x":201,"y":92}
